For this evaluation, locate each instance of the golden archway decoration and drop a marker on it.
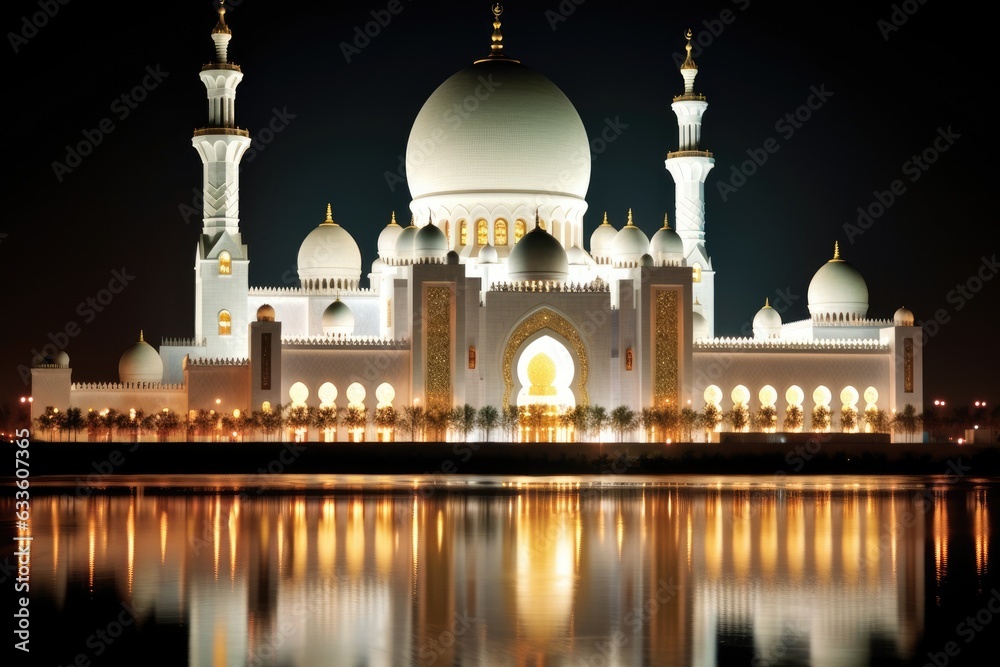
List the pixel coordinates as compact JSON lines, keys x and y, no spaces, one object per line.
{"x":545,"y":318}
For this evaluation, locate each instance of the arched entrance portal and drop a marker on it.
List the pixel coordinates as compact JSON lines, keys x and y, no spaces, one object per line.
{"x":523,"y":346}
{"x":545,"y":370}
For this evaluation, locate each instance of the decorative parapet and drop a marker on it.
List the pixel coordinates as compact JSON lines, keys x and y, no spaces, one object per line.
{"x":118,"y":386}
{"x":816,"y":344}
{"x":689,"y":154}
{"x":233,"y":67}
{"x":346,"y":342}
{"x":205,"y":361}
{"x":848,"y":321}
{"x":596,"y":285}
{"x":183,"y":342}
{"x":302,"y":291}
{"x":210,"y":131}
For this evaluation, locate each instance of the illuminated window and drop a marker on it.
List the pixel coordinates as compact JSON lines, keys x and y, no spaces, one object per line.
{"x":500,"y":232}
{"x":482,"y":233}
{"x":519,"y":228}
{"x":225,"y":264}
{"x":463,"y":233}
{"x":696,"y":273}
{"x":266,"y":406}
{"x":225,"y":323}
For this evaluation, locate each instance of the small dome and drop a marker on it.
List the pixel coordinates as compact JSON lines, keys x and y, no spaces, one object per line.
{"x":62,"y":359}
{"x":601,"y":240}
{"x":903,"y":318}
{"x":451,"y":259}
{"x":265,"y":313}
{"x":387,"y":238}
{"x":538,"y":256}
{"x":330,"y":253}
{"x":838,"y":290}
{"x":429,"y":243}
{"x":700,"y":325}
{"x":630,"y":244}
{"x":767,"y":322}
{"x":377,"y":266}
{"x":646,"y":261}
{"x":404,"y":242}
{"x":488,"y":254}
{"x":576,"y":256}
{"x":338,"y":319}
{"x":140,"y":363}
{"x":666,"y":245}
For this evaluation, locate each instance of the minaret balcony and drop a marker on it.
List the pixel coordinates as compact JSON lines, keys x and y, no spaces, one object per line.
{"x":687,"y":97}
{"x":689,"y":154}
{"x":235,"y":131}
{"x":230,"y":66}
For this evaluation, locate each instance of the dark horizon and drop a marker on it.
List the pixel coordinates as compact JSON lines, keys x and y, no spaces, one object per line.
{"x":891,"y":130}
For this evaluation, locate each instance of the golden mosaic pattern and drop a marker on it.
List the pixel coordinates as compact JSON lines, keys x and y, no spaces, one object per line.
{"x":437,"y":380}
{"x":666,"y":348}
{"x":908,"y":365}
{"x":537,"y":321}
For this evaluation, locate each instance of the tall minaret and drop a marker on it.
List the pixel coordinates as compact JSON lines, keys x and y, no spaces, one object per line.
{"x":221,"y":262}
{"x":689,"y":167}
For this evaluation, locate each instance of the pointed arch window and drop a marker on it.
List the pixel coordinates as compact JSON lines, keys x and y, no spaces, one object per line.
{"x":225,"y":264}
{"x":696,"y":273}
{"x":519,"y":229}
{"x":225,"y":323}
{"x":500,"y":232}
{"x":463,"y":233}
{"x":482,"y":233}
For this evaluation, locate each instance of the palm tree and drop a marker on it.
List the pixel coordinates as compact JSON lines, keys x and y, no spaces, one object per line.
{"x":463,"y":419}
{"x":793,"y":418}
{"x":437,"y":419}
{"x":385,"y":420}
{"x":509,"y":420}
{"x":355,"y":420}
{"x":413,"y":420}
{"x":326,"y":419}
{"x":766,"y":419}
{"x":688,"y":420}
{"x":598,"y":419}
{"x":877,"y":420}
{"x":580,"y":418}
{"x":74,"y":421}
{"x":487,"y":419}
{"x":738,"y":417}
{"x":710,"y":418}
{"x":820,"y":418}
{"x":299,"y":418}
{"x":848,"y":419}
{"x":623,"y":419}
{"x":907,"y":421}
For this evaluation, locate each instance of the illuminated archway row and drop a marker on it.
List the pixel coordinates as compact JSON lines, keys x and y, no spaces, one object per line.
{"x":795,"y":397}
{"x":327,"y":393}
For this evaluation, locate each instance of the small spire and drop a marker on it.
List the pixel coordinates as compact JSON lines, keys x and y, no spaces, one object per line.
{"x":689,"y":62}
{"x":393,"y":221}
{"x":496,"y":48}
{"x":411,"y":221}
{"x":666,"y":221}
{"x":767,"y":302}
{"x":836,"y":249}
{"x":141,"y":339}
{"x":605,"y":219}
{"x":329,"y":216}
{"x":629,"y":224}
{"x":221,"y":26}
{"x":538,"y":219}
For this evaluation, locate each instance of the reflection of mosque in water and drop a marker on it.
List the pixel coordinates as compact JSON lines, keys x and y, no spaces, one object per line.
{"x":525,"y":576}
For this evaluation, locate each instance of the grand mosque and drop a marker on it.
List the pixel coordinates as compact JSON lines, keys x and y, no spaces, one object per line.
{"x":489,"y":293}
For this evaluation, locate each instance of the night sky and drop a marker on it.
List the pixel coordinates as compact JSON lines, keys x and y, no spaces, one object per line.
{"x":126,"y":207}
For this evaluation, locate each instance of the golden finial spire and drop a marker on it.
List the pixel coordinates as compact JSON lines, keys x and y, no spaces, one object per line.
{"x":605,"y":219}
{"x":496,"y":48}
{"x":221,"y":26}
{"x":666,"y":221}
{"x":329,"y":216}
{"x":629,"y":224}
{"x":836,"y":249}
{"x":411,"y":221}
{"x":689,"y":62}
{"x":767,"y":302}
{"x":141,"y":339}
{"x":393,"y":221}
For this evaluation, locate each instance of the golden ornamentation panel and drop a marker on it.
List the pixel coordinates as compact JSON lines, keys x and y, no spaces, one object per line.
{"x":537,"y":321}
{"x":437,"y":381}
{"x":908,"y":365}
{"x":666,"y":347}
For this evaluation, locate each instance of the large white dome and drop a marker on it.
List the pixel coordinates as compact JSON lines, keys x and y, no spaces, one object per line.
{"x":767,"y":322}
{"x":330,"y":255}
{"x":140,"y":363}
{"x":838,"y":290}
{"x":498,"y":126}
